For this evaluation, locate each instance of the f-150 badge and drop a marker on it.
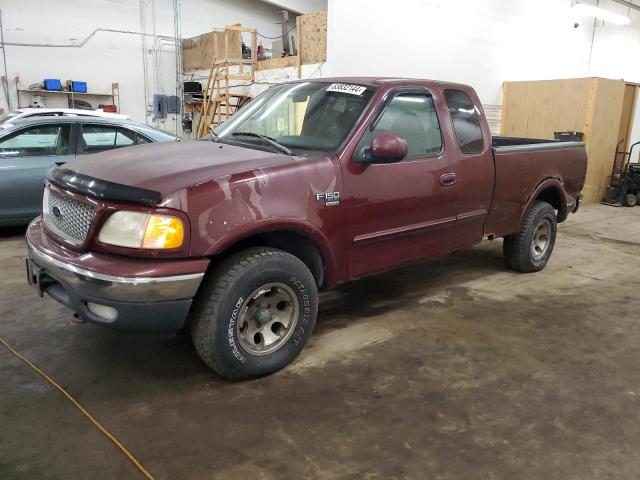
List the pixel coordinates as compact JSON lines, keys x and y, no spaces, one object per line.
{"x":331,"y":199}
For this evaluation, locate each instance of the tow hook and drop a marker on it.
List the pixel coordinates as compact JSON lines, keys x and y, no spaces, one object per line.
{"x":578,"y":202}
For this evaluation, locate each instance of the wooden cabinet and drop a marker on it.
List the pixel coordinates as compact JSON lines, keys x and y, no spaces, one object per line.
{"x":594,"y":106}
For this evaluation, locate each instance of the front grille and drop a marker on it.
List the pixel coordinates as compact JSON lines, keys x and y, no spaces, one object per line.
{"x":66,"y":217}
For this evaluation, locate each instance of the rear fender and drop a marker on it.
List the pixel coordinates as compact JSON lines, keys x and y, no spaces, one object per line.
{"x":556,"y":184}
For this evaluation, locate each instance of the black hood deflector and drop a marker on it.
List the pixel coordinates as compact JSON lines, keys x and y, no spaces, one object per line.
{"x":103,"y":189}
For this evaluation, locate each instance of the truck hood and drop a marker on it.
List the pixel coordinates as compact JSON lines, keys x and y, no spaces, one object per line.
{"x":171,"y":166}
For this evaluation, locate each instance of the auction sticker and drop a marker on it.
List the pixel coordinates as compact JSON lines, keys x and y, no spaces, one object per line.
{"x":346,"y":88}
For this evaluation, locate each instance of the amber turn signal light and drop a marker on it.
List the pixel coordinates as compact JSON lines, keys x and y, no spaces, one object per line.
{"x":163,"y":232}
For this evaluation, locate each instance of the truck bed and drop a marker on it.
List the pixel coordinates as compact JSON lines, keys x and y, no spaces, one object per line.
{"x":503,"y":142}
{"x":521,"y":166}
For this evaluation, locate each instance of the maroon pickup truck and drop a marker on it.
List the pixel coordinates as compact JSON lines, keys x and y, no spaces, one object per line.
{"x":312,"y":184}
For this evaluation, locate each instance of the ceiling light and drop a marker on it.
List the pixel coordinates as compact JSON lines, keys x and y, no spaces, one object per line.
{"x":592,"y":11}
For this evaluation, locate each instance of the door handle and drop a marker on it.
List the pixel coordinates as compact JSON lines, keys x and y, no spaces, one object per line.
{"x":59,"y":163}
{"x":448,"y":179}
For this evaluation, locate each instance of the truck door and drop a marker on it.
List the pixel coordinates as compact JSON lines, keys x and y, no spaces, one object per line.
{"x":474,"y":169}
{"x":401,"y":211}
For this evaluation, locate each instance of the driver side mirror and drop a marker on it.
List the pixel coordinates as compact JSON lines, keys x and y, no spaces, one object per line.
{"x":386,"y":148}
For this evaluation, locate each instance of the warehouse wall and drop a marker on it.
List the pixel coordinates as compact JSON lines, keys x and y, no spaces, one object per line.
{"x":481,"y":42}
{"x":115,"y":57}
{"x":300,"y":6}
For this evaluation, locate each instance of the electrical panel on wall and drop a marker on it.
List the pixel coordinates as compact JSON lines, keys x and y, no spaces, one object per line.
{"x":159,"y":106}
{"x":173,"y":105}
{"x":164,"y":104}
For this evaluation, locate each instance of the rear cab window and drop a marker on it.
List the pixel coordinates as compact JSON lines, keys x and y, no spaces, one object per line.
{"x":466,"y":121}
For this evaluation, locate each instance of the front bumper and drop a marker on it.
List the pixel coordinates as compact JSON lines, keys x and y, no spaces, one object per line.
{"x":134,"y":301}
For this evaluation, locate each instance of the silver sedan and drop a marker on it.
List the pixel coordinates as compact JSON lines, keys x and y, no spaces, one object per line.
{"x":30,"y":147}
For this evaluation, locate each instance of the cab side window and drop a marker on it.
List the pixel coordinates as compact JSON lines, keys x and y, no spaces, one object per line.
{"x":466,"y":121}
{"x":38,"y":141}
{"x":140,"y":140}
{"x":413,"y":117}
{"x":99,"y":138}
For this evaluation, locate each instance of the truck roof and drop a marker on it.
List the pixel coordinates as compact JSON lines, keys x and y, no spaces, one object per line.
{"x":380,"y":81}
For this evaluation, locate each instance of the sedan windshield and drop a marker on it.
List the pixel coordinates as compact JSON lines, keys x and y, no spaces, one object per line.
{"x":310,"y":116}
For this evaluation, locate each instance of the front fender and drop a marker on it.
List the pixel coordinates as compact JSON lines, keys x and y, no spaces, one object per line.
{"x":295,"y":225}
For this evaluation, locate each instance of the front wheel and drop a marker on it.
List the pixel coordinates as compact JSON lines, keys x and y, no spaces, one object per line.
{"x":255,"y":313}
{"x":529,"y":249}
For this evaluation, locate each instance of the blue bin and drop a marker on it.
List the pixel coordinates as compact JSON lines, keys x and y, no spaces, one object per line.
{"x":53,"y":84}
{"x":78,"y":87}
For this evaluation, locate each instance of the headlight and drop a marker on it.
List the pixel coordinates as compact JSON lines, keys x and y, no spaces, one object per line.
{"x":142,"y":230}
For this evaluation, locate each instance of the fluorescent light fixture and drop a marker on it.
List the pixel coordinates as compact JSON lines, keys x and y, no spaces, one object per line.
{"x":587,"y":10}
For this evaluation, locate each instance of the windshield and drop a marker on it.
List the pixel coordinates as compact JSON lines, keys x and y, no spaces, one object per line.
{"x":8,"y":116}
{"x":312,"y":116}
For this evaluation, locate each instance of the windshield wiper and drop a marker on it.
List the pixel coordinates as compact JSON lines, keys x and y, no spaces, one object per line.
{"x":213,"y":136}
{"x":271,"y":141}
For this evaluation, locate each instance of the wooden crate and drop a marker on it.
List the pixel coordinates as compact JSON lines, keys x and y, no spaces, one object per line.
{"x":591,"y":105}
{"x":198,"y":52}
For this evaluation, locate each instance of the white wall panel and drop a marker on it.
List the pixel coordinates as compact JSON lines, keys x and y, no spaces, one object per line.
{"x":300,"y":6}
{"x":115,"y":57}
{"x":480,"y":42}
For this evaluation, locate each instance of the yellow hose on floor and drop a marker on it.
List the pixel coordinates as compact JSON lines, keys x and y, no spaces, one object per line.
{"x":82,"y":409}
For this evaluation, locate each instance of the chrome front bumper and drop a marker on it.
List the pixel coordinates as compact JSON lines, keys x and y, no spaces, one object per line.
{"x":134,"y":301}
{"x":114,"y":288}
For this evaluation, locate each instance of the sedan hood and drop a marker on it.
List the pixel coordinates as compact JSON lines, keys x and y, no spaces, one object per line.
{"x":171,"y":166}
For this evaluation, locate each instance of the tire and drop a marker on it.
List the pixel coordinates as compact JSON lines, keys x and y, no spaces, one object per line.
{"x":254,"y":313}
{"x":630,"y":200}
{"x":524,"y":250}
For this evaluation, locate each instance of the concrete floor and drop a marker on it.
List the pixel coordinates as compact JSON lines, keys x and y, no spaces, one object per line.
{"x":449,"y":369}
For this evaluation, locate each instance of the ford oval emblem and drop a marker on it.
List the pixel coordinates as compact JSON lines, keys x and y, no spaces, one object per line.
{"x":56,"y":212}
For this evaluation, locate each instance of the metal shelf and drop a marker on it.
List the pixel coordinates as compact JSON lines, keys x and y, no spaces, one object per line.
{"x":114,"y":95}
{"x":66,"y":92}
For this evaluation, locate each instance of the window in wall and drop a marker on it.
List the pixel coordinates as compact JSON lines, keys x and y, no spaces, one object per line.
{"x":42,"y":140}
{"x":466,"y":121}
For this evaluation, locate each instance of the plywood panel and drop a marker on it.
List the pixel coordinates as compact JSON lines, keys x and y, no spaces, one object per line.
{"x":198,"y":52}
{"x":312,"y":37}
{"x":590,"y":105}
{"x":628,"y":104}
{"x":601,"y":134}
{"x":540,"y":108}
{"x":281,"y":62}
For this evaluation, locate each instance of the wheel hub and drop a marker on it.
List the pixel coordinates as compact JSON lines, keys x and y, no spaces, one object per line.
{"x":541,"y":239}
{"x":267,"y":319}
{"x":262,"y":316}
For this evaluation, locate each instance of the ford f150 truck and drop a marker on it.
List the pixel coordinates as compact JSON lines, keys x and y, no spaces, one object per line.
{"x":313,"y":183}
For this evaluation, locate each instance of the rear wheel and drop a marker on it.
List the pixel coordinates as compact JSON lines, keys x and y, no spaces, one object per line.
{"x":630,"y":200}
{"x":529,"y":249}
{"x":254,"y":313}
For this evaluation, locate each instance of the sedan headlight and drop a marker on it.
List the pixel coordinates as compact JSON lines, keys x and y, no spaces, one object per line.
{"x":142,"y":230}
